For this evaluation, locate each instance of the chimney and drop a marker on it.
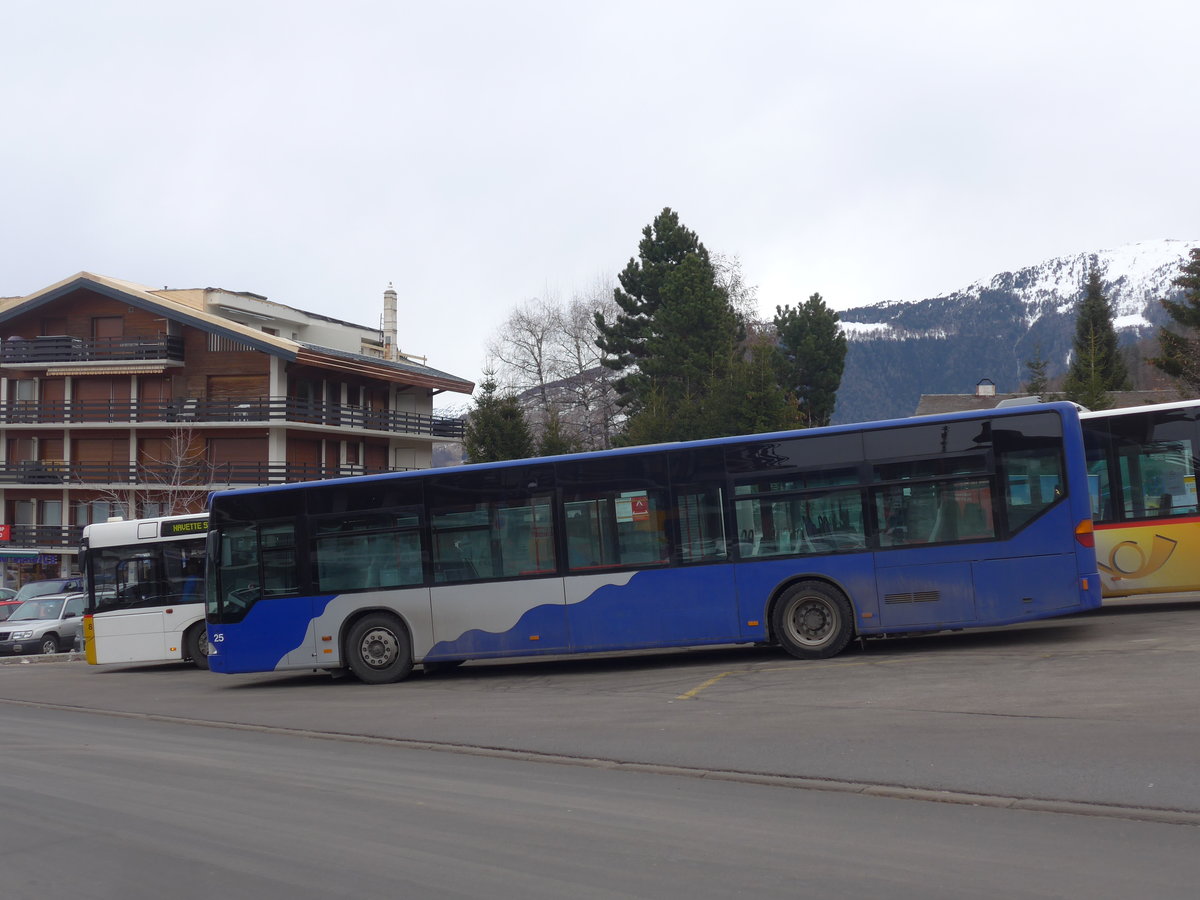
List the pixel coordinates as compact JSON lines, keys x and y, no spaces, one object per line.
{"x":389,"y":322}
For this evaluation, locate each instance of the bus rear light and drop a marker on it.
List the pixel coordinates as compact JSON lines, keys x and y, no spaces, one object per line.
{"x":1084,"y":533}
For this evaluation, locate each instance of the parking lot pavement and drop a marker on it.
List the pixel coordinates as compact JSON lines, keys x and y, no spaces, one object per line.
{"x":1092,"y":708}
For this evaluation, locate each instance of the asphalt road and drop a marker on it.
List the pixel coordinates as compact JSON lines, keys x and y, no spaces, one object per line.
{"x":1065,"y":751}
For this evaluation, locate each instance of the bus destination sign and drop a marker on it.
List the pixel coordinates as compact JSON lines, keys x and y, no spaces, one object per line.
{"x":182,"y":527}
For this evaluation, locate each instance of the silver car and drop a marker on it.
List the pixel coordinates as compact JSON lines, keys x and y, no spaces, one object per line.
{"x":45,"y":624}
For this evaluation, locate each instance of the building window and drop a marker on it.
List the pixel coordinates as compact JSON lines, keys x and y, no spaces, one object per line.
{"x":108,"y":327}
{"x":89,"y":511}
{"x":52,"y":512}
{"x":25,"y":390}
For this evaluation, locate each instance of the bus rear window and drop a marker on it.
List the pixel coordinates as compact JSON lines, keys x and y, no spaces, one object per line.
{"x":1034,"y":481}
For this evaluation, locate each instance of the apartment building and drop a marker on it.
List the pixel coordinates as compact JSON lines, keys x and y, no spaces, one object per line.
{"x":118,"y":399}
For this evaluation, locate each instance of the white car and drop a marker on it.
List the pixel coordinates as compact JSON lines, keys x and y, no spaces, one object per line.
{"x":45,"y":624}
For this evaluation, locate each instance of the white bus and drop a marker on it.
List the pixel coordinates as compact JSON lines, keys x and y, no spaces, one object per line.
{"x":145,"y":586}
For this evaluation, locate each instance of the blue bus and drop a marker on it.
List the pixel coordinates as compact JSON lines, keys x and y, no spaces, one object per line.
{"x":804,"y":539}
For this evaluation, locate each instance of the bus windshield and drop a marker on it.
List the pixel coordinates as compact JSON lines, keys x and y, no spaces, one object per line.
{"x":125,"y":577}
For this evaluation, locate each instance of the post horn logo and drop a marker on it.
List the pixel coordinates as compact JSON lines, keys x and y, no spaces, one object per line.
{"x":1161,"y":549}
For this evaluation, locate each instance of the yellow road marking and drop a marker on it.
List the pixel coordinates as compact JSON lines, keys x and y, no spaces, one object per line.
{"x":698,"y":688}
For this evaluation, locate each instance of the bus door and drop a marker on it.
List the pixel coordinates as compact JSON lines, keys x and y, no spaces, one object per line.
{"x":132,"y":626}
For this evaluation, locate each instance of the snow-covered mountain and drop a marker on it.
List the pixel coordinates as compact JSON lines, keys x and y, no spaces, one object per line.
{"x":946,"y":344}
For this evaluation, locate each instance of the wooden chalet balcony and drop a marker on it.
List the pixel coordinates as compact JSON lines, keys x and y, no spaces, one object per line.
{"x":53,"y":350}
{"x":220,"y":412}
{"x":168,"y":478}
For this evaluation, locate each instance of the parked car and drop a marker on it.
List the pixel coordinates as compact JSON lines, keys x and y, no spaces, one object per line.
{"x":44,"y":624}
{"x":7,"y":593}
{"x":49,"y":586}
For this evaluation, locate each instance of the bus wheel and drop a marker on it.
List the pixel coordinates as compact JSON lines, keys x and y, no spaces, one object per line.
{"x":813,"y":620}
{"x":195,"y":646}
{"x":378,"y":650}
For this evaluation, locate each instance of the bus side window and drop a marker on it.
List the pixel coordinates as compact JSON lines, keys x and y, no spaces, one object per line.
{"x":192,"y":590}
{"x":462,"y":545}
{"x":525,"y":532}
{"x":406,"y":566}
{"x":1034,"y":483}
{"x":700,"y":515}
{"x":278,"y":554}
{"x":1159,"y":479}
{"x":611,"y":528}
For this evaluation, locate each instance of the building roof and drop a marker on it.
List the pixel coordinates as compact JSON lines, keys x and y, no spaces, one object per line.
{"x":400,"y":369}
{"x":188,"y":307}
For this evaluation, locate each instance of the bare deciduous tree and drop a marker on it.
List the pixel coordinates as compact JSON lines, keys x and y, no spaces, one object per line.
{"x":546,"y":353}
{"x":742,"y":297}
{"x":174,"y":480}
{"x":590,"y":406}
{"x":524,"y":347}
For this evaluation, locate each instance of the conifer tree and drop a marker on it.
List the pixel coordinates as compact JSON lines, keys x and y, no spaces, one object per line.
{"x":696,"y":332}
{"x":496,"y":428}
{"x":1038,"y":383}
{"x":677,"y":342}
{"x":554,"y":439}
{"x":642,"y":341}
{"x":755,"y":401}
{"x":1179,"y":351}
{"x":1097,"y":366}
{"x":814,"y":357}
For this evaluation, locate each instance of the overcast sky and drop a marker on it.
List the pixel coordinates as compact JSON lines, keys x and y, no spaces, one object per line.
{"x":480,"y":154}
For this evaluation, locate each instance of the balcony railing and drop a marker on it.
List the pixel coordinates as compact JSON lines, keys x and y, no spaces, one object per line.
{"x":202,"y":476}
{"x":57,"y":349}
{"x":41,"y":537}
{"x":202,"y":412}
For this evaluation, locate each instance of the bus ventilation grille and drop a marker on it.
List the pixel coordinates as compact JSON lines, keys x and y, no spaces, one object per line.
{"x":914,"y":597}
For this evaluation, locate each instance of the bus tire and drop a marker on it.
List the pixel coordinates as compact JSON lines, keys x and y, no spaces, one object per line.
{"x":195,"y":646}
{"x":813,"y":620}
{"x":378,"y":650}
